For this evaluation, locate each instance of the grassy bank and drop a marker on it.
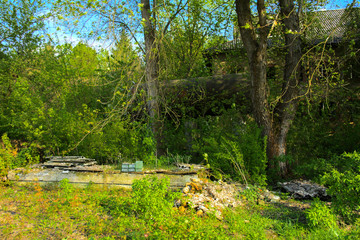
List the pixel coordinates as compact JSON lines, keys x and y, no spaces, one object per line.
{"x":63,"y":212}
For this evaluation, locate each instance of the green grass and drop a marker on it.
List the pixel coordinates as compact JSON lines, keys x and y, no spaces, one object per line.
{"x":64,"y":212}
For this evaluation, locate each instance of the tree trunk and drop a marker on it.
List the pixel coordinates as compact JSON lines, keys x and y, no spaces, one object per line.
{"x":286,"y":109}
{"x":275,"y":126}
{"x":256,"y":49}
{"x":152,"y":75}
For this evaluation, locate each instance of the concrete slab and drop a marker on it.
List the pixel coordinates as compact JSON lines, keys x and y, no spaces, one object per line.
{"x":83,"y":178}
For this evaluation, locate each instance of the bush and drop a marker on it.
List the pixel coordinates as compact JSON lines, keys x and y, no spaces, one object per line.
{"x":7,"y":155}
{"x":344,"y":185}
{"x":152,"y":198}
{"x":321,"y":131}
{"x":241,"y":154}
{"x":12,"y":157}
{"x":118,"y":142}
{"x":319,"y":215}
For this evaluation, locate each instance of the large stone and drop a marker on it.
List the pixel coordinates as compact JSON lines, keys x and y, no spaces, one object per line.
{"x":304,"y":190}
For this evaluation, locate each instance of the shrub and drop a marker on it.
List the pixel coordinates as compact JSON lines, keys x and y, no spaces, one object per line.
{"x":317,"y":134}
{"x":319,"y":215}
{"x":152,"y":198}
{"x":7,"y":155}
{"x":344,"y":185}
{"x":241,"y":154}
{"x":117,"y":142}
{"x":11,"y":157}
{"x":66,"y":190}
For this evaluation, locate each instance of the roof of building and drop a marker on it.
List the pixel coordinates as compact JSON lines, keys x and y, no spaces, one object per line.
{"x":329,"y":24}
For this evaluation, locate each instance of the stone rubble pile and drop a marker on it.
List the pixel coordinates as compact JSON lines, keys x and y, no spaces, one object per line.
{"x":302,"y":190}
{"x":208,"y":197}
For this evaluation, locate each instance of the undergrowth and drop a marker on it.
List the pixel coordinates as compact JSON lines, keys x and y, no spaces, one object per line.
{"x":64,"y":212}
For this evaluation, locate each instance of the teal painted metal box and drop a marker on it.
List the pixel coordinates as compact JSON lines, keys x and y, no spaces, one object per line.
{"x":132,"y":167}
{"x":139,"y":166}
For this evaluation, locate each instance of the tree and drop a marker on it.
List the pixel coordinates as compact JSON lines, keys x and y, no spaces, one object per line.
{"x":152,"y":70}
{"x":20,"y":22}
{"x":275,"y":123}
{"x":144,"y":20}
{"x":183,"y":49}
{"x":148,"y":22}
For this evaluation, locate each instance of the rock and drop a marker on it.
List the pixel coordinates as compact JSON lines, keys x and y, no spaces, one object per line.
{"x":275,"y":198}
{"x":195,"y":180}
{"x":304,"y":190}
{"x":177,"y":203}
{"x":196,"y":186}
{"x":199,"y":212}
{"x":270,"y":197}
{"x":186,"y":166}
{"x":182,"y":209}
{"x":203,"y":208}
{"x":186,"y":189}
{"x":68,"y":162}
{"x":218,"y":215}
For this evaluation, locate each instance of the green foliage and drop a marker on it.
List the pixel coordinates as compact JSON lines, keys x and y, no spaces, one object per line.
{"x":251,"y":194}
{"x":319,"y":215}
{"x":344,"y":185}
{"x":98,"y":213}
{"x":248,"y":224}
{"x":60,"y":102}
{"x":234,"y":147}
{"x":20,"y":23}
{"x":66,"y":190}
{"x":318,"y":133}
{"x":119,"y":142}
{"x":232,"y":153}
{"x":7,"y":155}
{"x":241,"y":154}
{"x":347,"y":162}
{"x":172,"y":159}
{"x":184,"y":49}
{"x":12,"y":157}
{"x":152,"y":198}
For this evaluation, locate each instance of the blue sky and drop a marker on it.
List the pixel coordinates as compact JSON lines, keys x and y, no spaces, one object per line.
{"x":73,"y":38}
{"x":337,"y":4}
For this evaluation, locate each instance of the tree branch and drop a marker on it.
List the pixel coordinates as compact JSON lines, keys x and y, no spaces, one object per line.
{"x":131,"y":33}
{"x":174,"y":16}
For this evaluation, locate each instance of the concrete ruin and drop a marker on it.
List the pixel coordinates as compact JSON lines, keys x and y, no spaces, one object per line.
{"x":81,"y":172}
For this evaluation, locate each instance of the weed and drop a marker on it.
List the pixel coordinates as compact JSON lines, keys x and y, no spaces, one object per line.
{"x":319,"y":215}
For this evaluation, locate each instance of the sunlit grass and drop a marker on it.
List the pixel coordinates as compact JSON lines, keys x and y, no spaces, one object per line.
{"x":65,"y":212}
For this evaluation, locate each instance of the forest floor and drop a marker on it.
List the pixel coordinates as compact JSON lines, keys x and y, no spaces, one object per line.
{"x":64,"y":212}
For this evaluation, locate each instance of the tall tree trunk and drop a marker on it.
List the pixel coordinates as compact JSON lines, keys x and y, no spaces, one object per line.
{"x":152,"y":75}
{"x":256,"y":49}
{"x":286,"y":109}
{"x":276,"y":126}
